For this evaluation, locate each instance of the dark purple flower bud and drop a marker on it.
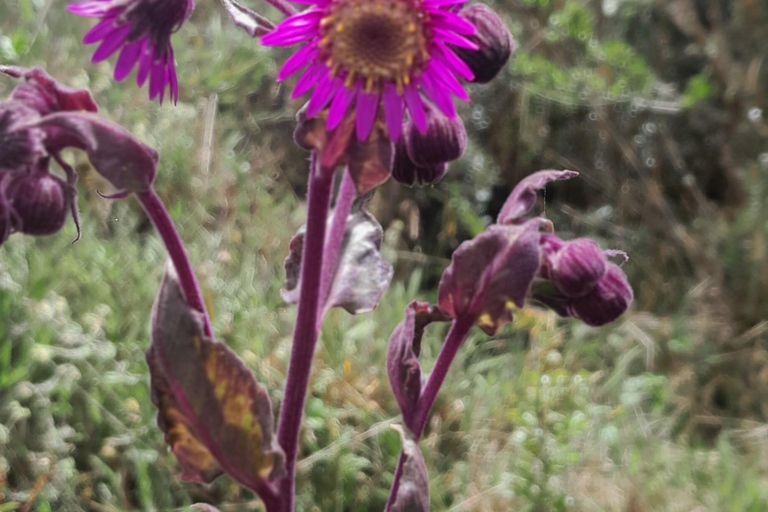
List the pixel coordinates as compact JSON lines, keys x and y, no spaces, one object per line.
{"x":141,"y":30}
{"x":443,"y":140}
{"x":45,"y":95}
{"x":40,"y":201}
{"x":493,"y":38}
{"x":410,"y":174}
{"x":609,"y":299}
{"x":577,"y":267}
{"x":20,"y":145}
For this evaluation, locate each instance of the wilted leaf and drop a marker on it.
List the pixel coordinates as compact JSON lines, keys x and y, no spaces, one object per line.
{"x":44,"y":94}
{"x":252,"y":22}
{"x":489,"y":274}
{"x":115,"y":154}
{"x":215,"y":416}
{"x":361,"y":276}
{"x":403,"y":366}
{"x":413,"y":491}
{"x":523,"y":196}
{"x":370,"y":162}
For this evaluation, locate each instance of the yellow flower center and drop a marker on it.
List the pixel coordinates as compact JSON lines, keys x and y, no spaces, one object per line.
{"x":377,"y":41}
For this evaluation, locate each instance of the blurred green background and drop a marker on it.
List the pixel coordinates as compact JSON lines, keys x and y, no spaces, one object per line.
{"x":659,"y":104}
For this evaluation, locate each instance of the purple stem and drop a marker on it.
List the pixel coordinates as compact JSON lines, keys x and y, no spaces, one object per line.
{"x":306,"y":330}
{"x":335,"y":239}
{"x":283,"y":6}
{"x":160,"y":217}
{"x":454,"y":340}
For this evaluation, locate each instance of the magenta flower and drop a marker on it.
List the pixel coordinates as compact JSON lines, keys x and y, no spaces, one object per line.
{"x":142,"y":30}
{"x":367,"y":52}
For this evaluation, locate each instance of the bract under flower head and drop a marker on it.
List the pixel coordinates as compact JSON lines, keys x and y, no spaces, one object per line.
{"x":367,"y":52}
{"x":142,"y":29}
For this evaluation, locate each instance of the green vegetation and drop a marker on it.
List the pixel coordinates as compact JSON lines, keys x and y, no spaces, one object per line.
{"x":661,"y":412}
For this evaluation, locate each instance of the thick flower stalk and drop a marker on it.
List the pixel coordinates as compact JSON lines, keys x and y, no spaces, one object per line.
{"x":365,"y":53}
{"x":490,"y":276}
{"x":141,"y":30}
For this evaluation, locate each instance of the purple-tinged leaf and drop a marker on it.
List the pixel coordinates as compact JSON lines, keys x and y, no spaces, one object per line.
{"x":523,"y":196}
{"x":361,"y":276}
{"x":403,"y":366}
{"x":44,"y":94}
{"x":370,"y":162}
{"x":413,"y":490}
{"x":490,"y":274}
{"x":252,"y":22}
{"x":20,"y":146}
{"x":117,"y":155}
{"x":215,"y":416}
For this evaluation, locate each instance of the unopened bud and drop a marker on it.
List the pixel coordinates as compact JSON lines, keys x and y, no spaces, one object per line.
{"x":493,"y":38}
{"x":607,"y":301}
{"x":19,"y":146}
{"x":405,"y":171}
{"x":444,"y":140}
{"x":576,"y":268}
{"x":40,"y":202}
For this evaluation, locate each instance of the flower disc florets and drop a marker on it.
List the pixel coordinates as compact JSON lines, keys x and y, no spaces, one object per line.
{"x":369,"y":52}
{"x":142,"y":28}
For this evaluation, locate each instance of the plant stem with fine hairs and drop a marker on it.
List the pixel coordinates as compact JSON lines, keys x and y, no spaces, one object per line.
{"x":456,"y":335}
{"x":335,"y":238}
{"x":160,"y":217}
{"x":306,"y":330}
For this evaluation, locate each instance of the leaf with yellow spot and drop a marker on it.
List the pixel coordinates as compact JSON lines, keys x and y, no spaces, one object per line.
{"x":215,"y":416}
{"x":490,"y":275}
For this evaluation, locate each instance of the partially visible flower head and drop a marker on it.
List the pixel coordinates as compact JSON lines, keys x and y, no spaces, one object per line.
{"x":371,"y":52}
{"x":141,"y":30}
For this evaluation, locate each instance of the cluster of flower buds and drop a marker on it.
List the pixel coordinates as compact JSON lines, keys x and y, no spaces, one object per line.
{"x":578,"y":280}
{"x":32,"y":200}
{"x":40,"y":119}
{"x":519,"y":258}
